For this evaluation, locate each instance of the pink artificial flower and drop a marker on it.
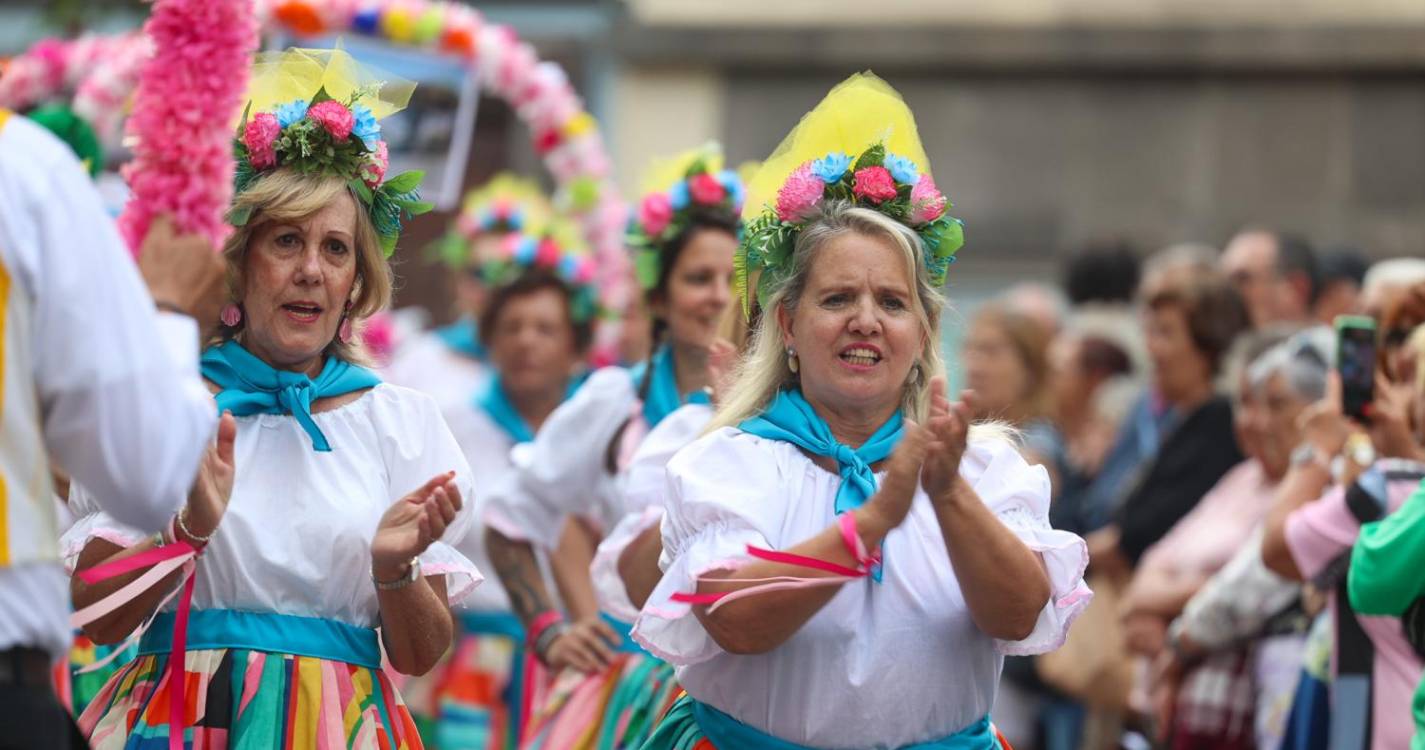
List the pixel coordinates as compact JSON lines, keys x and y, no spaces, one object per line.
{"x":799,"y":194}
{"x":705,"y":189}
{"x":334,"y":116}
{"x":375,"y":169}
{"x":926,"y":202}
{"x":875,"y":184}
{"x":585,"y":271}
{"x":547,"y":254}
{"x":655,"y":213}
{"x":260,"y":137}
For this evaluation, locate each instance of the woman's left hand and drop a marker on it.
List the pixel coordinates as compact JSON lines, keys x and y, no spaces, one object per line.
{"x":1389,"y":417}
{"x":949,"y":428}
{"x":411,"y":524}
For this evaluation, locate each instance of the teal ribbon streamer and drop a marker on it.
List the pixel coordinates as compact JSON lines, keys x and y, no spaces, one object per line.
{"x":251,"y":386}
{"x":791,"y":419}
{"x":662,"y":397}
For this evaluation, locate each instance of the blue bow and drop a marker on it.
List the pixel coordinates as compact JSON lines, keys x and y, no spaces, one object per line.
{"x":251,"y":386}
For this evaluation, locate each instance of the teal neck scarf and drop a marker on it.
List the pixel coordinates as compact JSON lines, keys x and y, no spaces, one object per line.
{"x":660,"y":395}
{"x":463,"y":337}
{"x":251,"y":386}
{"x":493,"y":400}
{"x":791,"y":419}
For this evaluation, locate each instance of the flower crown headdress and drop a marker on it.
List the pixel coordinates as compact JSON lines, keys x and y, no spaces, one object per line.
{"x":316,"y":112}
{"x":557,"y":250}
{"x":859,"y":145}
{"x":507,"y":203}
{"x":676,"y":190}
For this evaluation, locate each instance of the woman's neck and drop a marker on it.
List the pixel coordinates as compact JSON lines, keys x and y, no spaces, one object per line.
{"x":690,"y":367}
{"x":310,"y":367}
{"x":537,"y":406}
{"x":852,"y":426}
{"x":1190,"y":398}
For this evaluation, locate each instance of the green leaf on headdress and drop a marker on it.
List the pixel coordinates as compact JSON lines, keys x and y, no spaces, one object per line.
{"x":645,"y":267}
{"x":451,"y":249}
{"x":239,"y":215}
{"x":361,"y":189}
{"x":404,"y":182}
{"x":388,"y":244}
{"x":739,"y":277}
{"x":320,"y":96}
{"x":874,"y":156}
{"x":414,"y":208}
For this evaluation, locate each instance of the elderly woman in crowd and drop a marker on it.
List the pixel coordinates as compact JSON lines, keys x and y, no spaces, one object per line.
{"x":1344,"y":475}
{"x":318,"y":513}
{"x":1277,"y":383}
{"x":911,"y":557}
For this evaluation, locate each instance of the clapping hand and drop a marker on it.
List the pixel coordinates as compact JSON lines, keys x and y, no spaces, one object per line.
{"x":949,"y":428}
{"x":208,"y":498}
{"x":412,"y":523}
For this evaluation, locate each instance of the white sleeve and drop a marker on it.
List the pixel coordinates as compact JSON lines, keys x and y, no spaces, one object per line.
{"x":562,"y":472}
{"x":1018,"y":494}
{"x":91,"y":523}
{"x":123,"y":407}
{"x":417,"y":446}
{"x":718,"y":503}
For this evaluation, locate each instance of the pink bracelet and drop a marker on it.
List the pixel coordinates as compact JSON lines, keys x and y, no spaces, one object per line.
{"x":854,"y":544}
{"x":542,"y":623}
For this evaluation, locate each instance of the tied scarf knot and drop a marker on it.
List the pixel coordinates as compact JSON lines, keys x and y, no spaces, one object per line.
{"x":251,"y":386}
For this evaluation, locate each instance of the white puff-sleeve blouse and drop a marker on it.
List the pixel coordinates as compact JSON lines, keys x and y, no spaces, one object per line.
{"x":296,"y":537}
{"x":903,"y":650}
{"x":565,"y":470}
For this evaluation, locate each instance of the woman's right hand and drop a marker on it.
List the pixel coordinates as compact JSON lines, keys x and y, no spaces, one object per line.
{"x":889,"y":506}
{"x":1323,"y":424}
{"x":208,"y":499}
{"x":588,"y":646}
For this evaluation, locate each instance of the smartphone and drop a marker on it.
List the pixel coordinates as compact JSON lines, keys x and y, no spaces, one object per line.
{"x":1356,"y":363}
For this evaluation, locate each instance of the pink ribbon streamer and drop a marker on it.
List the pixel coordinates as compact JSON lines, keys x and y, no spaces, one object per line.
{"x":161,"y":562}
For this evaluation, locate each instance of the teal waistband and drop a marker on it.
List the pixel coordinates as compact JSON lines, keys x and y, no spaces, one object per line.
{"x":627,"y":645}
{"x":270,"y":632}
{"x":492,"y":623}
{"x":727,"y":733}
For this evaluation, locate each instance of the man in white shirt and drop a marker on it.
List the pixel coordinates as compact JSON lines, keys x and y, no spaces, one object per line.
{"x":94,"y":380}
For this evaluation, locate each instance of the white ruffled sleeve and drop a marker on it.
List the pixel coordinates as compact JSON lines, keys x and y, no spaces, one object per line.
{"x":91,"y":523}
{"x":720,"y":499}
{"x":1018,"y":494}
{"x":562,"y":472}
{"x":417,"y":446}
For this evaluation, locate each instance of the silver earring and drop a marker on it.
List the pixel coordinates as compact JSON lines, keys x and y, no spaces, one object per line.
{"x":792,"y":363}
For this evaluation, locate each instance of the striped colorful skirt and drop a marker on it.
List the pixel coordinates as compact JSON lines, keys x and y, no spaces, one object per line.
{"x":84,"y":686}
{"x":243,"y":692}
{"x":611,"y":710}
{"x":472,"y":699}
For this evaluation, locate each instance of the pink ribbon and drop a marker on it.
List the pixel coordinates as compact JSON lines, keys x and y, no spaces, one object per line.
{"x":161,"y":561}
{"x":839,"y":573}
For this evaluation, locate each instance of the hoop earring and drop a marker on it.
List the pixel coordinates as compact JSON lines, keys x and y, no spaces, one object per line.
{"x":793,"y":363}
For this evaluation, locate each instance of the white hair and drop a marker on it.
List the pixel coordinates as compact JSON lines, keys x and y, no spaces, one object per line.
{"x":1394,"y":271}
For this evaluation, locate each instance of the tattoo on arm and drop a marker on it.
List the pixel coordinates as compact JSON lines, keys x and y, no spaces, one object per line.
{"x":519,"y":572}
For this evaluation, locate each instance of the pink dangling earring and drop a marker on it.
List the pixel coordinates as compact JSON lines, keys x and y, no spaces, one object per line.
{"x":231,"y":315}
{"x":344,"y":331}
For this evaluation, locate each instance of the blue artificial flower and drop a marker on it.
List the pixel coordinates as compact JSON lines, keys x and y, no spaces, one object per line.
{"x":678,"y":195}
{"x":291,"y":112}
{"x":568,"y":267}
{"x":365,"y":126}
{"x":903,"y":169}
{"x":831,"y":167}
{"x":366,"y":21}
{"x":733,"y":185}
{"x":524,"y":254}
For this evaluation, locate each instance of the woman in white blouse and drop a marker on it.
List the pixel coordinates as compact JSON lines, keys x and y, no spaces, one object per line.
{"x":317,"y":515}
{"x":845,"y":560}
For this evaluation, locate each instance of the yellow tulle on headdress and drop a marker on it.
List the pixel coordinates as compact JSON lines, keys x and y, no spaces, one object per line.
{"x":279,"y":78}
{"x":860,"y":112}
{"x":663,"y":173}
{"x":513,"y":190}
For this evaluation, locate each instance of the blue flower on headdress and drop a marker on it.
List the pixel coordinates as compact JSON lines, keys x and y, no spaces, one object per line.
{"x":733,"y":185}
{"x":831,"y":167}
{"x":366,"y":21}
{"x":365,"y":127}
{"x":903,"y":169}
{"x":291,"y":112}
{"x":678,"y":195}
{"x":568,"y":267}
{"x":524,"y":254}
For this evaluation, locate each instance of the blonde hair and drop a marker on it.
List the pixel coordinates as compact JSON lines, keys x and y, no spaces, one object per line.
{"x":764,"y":372}
{"x":287,"y":195}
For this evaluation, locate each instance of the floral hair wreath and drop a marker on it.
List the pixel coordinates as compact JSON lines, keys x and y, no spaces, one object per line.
{"x":321,"y":135}
{"x":662,"y":214}
{"x":507,"y":203}
{"x":860,"y":145}
{"x":876,"y":179}
{"x":553,"y":251}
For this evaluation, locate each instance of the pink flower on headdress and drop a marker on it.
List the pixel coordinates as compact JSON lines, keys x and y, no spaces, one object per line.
{"x":375,"y":169}
{"x":875,"y":184}
{"x":926,"y":202}
{"x":260,"y":137}
{"x":547,"y":255}
{"x":334,"y":117}
{"x":705,"y":189}
{"x":584,"y":273}
{"x":655,"y":213}
{"x":799,"y":194}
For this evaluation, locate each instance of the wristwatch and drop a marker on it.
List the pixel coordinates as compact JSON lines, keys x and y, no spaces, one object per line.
{"x":1307,"y":454}
{"x":415,"y":573}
